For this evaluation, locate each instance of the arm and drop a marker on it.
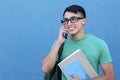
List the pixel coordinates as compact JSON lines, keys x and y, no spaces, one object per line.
{"x":108,"y":72}
{"x":49,"y":61}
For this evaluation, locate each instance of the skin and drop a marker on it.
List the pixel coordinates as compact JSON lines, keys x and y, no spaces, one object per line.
{"x":76,"y":30}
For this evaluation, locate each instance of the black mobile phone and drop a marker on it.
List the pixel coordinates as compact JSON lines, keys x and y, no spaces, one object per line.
{"x":65,"y":34}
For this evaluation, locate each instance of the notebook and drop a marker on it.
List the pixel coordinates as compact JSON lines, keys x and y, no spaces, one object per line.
{"x":77,"y":64}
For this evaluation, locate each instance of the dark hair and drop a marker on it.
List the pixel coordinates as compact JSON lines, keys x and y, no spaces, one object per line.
{"x":76,"y":9}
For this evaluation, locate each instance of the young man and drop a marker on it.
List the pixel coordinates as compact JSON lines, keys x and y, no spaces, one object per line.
{"x":95,"y":49}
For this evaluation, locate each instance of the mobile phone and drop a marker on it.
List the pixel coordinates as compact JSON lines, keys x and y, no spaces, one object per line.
{"x":65,"y":34}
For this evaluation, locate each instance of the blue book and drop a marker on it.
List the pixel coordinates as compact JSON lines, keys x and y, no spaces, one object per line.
{"x":77,"y":64}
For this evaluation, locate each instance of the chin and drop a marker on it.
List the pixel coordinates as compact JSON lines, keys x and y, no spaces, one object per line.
{"x":72,"y":34}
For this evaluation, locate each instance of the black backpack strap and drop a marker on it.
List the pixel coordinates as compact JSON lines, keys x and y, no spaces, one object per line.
{"x":60,"y":52}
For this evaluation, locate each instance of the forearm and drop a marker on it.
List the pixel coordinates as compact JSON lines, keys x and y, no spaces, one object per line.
{"x":104,"y":77}
{"x":49,"y":62}
{"x":108,"y":72}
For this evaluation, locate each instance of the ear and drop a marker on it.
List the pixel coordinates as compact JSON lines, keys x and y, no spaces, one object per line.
{"x":84,"y":21}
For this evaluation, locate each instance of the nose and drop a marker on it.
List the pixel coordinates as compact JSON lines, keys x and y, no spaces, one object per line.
{"x":69,"y":23}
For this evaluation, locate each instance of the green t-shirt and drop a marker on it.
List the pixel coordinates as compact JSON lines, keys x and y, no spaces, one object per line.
{"x":95,"y":50}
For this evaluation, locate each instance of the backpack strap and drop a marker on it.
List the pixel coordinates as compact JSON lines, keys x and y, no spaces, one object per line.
{"x":59,"y":73}
{"x":60,"y":52}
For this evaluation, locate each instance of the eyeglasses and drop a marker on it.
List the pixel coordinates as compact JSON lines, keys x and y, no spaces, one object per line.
{"x":73,"y":19}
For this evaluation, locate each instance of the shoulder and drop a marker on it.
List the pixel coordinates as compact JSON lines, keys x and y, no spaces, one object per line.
{"x":96,"y":41}
{"x":95,"y":38}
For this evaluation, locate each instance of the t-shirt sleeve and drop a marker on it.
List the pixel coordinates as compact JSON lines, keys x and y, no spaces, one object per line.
{"x":105,"y":56}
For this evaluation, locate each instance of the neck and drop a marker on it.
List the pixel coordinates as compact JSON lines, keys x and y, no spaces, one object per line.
{"x":79,"y":36}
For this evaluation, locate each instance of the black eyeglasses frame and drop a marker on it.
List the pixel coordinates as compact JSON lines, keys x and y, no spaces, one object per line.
{"x":70,"y":19}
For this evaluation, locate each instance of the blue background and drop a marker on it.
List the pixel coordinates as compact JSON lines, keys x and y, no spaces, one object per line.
{"x":29,"y":27}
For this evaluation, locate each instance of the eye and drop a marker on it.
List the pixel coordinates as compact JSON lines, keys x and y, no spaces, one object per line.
{"x":65,"y":19}
{"x":73,"y":18}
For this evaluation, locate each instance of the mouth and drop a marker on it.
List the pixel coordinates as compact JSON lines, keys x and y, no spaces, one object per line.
{"x":71,"y":28}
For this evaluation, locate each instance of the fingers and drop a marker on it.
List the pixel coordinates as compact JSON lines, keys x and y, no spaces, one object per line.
{"x":74,"y":77}
{"x":61,"y":39}
{"x":63,"y":29}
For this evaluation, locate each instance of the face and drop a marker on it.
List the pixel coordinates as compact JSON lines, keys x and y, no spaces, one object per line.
{"x":74,"y":23}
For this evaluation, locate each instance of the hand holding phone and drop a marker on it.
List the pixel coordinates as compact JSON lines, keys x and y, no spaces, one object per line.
{"x":65,"y":34}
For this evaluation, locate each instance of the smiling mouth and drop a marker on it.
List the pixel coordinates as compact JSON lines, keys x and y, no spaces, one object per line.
{"x":71,"y":28}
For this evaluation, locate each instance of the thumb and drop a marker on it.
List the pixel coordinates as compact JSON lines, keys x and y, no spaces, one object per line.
{"x":74,"y":77}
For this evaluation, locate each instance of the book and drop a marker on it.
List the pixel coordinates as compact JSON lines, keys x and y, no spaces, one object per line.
{"x":77,"y":64}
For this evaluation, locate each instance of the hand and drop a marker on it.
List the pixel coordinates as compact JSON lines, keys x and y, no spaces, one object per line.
{"x":61,"y":39}
{"x":75,"y":77}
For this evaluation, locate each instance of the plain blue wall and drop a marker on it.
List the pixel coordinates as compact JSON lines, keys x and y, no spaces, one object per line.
{"x":29,"y":27}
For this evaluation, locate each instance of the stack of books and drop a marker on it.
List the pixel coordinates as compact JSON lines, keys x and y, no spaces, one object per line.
{"x":77,"y":64}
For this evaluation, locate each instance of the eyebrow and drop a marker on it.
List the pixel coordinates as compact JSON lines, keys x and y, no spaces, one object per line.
{"x":72,"y":16}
